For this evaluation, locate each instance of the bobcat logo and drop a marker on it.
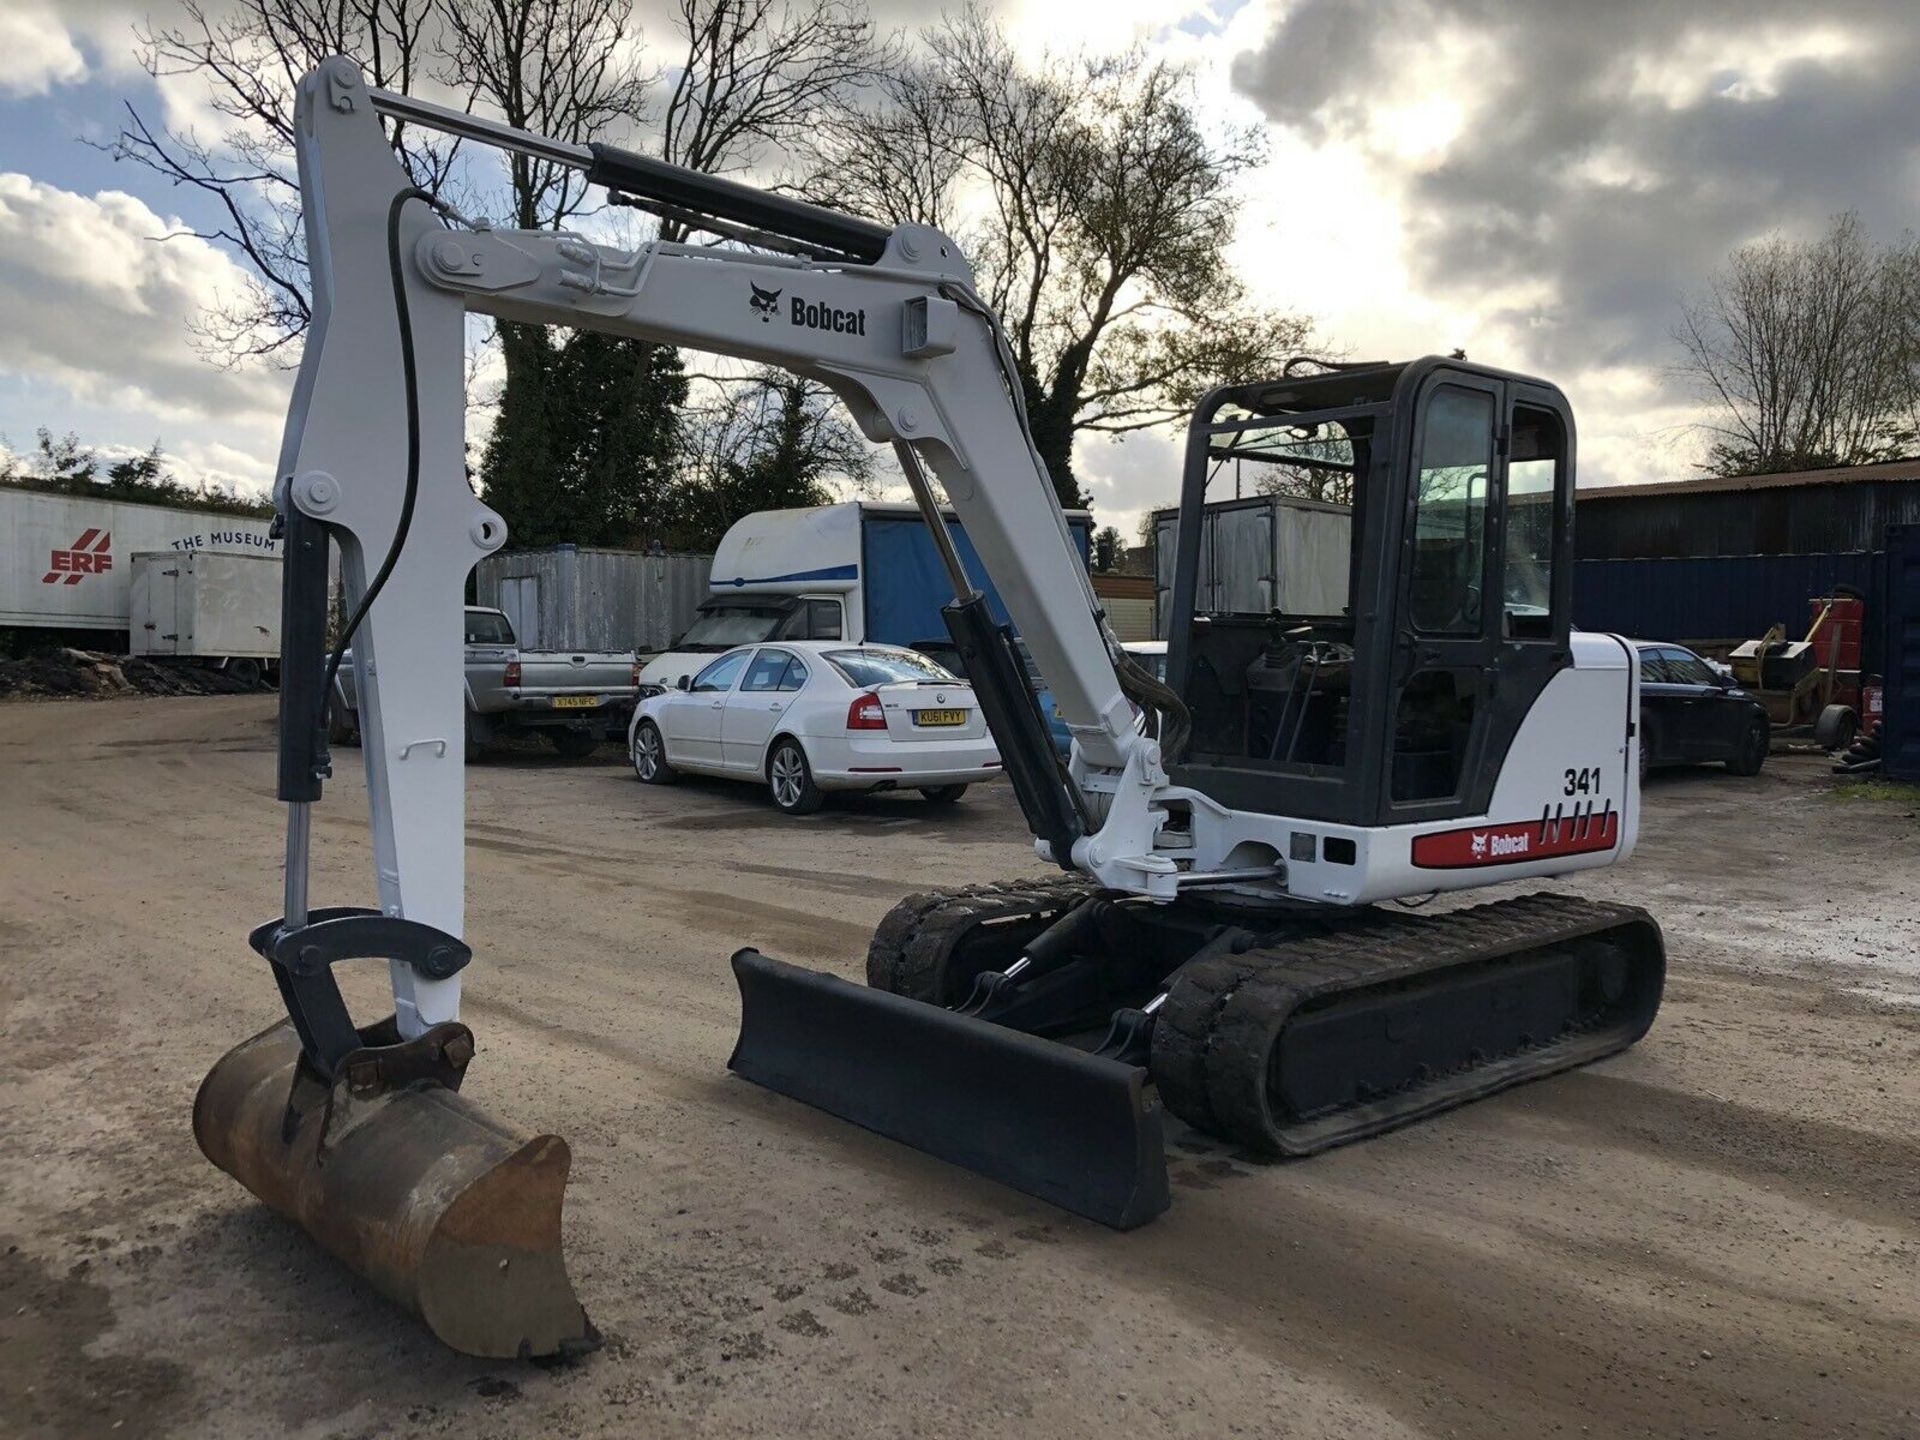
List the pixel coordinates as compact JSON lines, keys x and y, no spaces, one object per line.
{"x":1479,"y":845}
{"x":766,"y":303}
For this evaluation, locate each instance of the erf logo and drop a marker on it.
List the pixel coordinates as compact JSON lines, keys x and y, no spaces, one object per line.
{"x":87,"y":557}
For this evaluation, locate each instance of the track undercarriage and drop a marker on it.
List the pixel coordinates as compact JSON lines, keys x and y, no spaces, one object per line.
{"x":1289,"y":1035}
{"x":1033,"y":1031}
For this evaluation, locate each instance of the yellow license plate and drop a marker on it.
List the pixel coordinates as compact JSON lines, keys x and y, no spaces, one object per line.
{"x":576,"y":702}
{"x":939,"y":717}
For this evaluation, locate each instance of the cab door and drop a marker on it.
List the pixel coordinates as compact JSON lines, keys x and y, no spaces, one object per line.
{"x":1485,"y":590}
{"x":1449,"y":619}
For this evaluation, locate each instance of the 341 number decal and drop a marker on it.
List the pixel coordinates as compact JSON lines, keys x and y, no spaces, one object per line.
{"x":1583,"y":782}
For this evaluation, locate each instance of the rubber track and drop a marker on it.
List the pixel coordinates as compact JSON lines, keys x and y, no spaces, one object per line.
{"x":1213,"y":1039}
{"x":914,"y":941}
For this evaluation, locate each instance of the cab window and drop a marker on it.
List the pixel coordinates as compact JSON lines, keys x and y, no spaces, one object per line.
{"x":813,"y":620}
{"x":823,"y":619}
{"x":1534,"y":520}
{"x":721,"y":674}
{"x":1450,"y":512}
{"x":488,"y":627}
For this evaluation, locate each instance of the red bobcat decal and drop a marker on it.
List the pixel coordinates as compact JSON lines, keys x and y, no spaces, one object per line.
{"x":88,"y":556}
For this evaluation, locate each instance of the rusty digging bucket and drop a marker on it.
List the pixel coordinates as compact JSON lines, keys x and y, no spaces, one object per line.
{"x":405,"y":1181}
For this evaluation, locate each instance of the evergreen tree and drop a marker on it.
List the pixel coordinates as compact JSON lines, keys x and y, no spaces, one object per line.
{"x":584,"y":445}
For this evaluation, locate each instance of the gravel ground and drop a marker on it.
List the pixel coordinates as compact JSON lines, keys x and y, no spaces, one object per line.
{"x":1715,"y":1234}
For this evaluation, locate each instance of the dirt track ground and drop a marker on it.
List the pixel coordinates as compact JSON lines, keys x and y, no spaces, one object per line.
{"x":1717,"y":1233}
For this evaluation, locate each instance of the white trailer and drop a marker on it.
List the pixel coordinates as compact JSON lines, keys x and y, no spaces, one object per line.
{"x":66,"y":560}
{"x":1263,"y":553}
{"x":204,"y":605}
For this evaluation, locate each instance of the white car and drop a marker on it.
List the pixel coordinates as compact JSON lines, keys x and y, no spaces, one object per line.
{"x":804,"y":717}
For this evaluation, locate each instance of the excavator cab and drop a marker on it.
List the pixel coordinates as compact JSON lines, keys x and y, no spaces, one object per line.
{"x":1382,"y":686}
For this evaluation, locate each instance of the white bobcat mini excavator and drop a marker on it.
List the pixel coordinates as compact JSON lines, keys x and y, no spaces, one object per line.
{"x":1215,"y":944}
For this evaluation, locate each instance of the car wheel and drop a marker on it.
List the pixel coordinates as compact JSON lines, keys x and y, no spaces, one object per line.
{"x":1752,"y":753}
{"x":942,"y":794}
{"x":574,"y":744}
{"x":650,"y":756}
{"x":790,"y":779}
{"x":1646,"y":751}
{"x":476,"y":738}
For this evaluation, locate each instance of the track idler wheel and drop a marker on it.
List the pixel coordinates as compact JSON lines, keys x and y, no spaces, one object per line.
{"x":406,"y":1181}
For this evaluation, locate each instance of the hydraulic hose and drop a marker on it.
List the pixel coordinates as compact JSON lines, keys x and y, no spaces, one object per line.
{"x":409,"y":371}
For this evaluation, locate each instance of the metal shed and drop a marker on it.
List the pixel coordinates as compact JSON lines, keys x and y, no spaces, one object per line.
{"x":571,"y":597}
{"x":1900,"y":726}
{"x":1806,"y":512}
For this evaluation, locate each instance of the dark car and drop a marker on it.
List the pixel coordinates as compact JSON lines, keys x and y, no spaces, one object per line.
{"x":1691,"y":712}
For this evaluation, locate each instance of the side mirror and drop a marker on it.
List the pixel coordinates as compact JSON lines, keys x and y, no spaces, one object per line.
{"x":685,"y":682}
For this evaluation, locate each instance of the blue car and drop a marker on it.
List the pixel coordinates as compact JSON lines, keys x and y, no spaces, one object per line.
{"x":945,"y":652}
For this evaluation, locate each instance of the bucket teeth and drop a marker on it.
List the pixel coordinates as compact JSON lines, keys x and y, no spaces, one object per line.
{"x":407,"y":1182}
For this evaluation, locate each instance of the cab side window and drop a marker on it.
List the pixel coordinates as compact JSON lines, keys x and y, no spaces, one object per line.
{"x":1534,"y":519}
{"x":823,"y":620}
{"x":812,"y":620}
{"x":1450,"y":512}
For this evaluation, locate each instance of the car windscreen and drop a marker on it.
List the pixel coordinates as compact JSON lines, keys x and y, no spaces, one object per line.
{"x":888,"y":667}
{"x":488,"y":627}
{"x":731,"y":625}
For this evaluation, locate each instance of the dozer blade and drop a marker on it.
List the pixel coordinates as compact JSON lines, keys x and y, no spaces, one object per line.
{"x":406,"y":1181}
{"x":1075,"y":1129}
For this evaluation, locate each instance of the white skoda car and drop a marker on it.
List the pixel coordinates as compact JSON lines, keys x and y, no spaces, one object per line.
{"x":804,"y":717}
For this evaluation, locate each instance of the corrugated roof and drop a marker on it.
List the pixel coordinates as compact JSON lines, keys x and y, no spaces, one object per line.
{"x":1840,"y":475}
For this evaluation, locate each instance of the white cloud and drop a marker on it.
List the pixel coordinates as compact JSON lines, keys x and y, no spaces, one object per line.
{"x":36,"y":52}
{"x":96,"y":306}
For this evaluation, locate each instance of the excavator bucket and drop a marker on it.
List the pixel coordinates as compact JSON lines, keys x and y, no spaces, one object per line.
{"x":1076,"y":1129}
{"x":406,"y":1181}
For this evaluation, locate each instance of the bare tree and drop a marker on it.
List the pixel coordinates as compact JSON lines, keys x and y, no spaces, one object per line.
{"x":567,"y":69}
{"x":760,"y":74}
{"x":251,"y":55}
{"x":563,"y":68}
{"x":1102,"y":238}
{"x":756,"y":78}
{"x":1809,"y":352}
{"x":771,"y":441}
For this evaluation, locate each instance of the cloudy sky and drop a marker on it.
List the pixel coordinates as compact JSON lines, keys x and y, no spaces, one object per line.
{"x":1539,"y":183}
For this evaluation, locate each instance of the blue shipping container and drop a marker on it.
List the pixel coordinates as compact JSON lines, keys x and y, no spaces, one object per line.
{"x":906,"y":584}
{"x":1720,"y":597}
